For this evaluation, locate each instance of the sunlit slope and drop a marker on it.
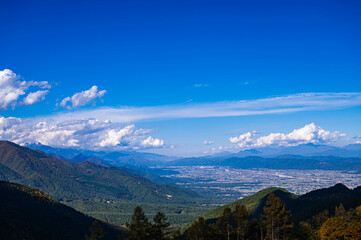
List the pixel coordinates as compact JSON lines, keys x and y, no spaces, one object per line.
{"x":84,"y":180}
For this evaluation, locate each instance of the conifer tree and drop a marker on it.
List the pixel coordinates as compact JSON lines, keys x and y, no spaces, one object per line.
{"x":198,"y":230}
{"x":161,"y":228}
{"x":224,"y":224}
{"x":240,"y":217}
{"x":139,"y":227}
{"x":277,"y":218}
{"x":341,"y":212}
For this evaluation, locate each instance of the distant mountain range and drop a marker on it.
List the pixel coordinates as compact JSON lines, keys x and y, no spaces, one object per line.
{"x":308,"y":156}
{"x":280,"y":162}
{"x":352,"y":150}
{"x":303,"y":207}
{"x":82,"y":180}
{"x":116,"y":158}
{"x":27,"y":213}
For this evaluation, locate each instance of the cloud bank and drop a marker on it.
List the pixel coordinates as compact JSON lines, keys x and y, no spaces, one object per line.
{"x":12,"y":89}
{"x":276,"y":105}
{"x":308,"y":134}
{"x":86,"y":133}
{"x":82,"y":98}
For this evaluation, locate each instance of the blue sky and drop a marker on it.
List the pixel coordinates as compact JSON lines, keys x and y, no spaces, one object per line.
{"x":161,"y":57}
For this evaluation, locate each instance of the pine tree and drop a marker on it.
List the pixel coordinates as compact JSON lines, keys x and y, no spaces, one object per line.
{"x":198,"y":230}
{"x":341,"y":212}
{"x":224,"y":224}
{"x":161,"y":228}
{"x":96,"y":232}
{"x":277,"y":218}
{"x":139,"y":227}
{"x":240,"y":217}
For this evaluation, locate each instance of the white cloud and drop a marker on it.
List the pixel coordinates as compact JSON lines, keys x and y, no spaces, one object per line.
{"x":208,"y":142}
{"x":286,"y":104}
{"x":84,"y":133}
{"x":244,"y":139}
{"x":34,"y":97}
{"x":82,"y":98}
{"x":11,"y":89}
{"x":308,"y":134}
{"x":151,"y":142}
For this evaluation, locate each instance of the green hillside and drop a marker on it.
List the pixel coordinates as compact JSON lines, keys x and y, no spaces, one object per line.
{"x":251,"y":202}
{"x":70,"y":180}
{"x":27,"y":213}
{"x":82,"y":185}
{"x":303,"y":206}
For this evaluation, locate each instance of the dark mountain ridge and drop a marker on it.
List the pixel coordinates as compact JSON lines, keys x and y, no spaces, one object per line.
{"x":27,"y":213}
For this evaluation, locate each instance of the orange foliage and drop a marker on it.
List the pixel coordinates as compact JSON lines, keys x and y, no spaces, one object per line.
{"x":333,"y":229}
{"x":353,"y":231}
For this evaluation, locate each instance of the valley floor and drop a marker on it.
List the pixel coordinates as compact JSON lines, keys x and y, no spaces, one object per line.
{"x":227,"y":184}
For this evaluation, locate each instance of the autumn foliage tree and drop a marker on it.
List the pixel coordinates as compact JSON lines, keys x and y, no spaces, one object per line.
{"x":333,"y":229}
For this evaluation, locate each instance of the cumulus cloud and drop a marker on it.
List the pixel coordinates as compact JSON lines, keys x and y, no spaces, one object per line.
{"x":151,"y":142}
{"x":35,"y":97}
{"x":84,"y":133}
{"x":12,"y":89}
{"x":308,"y":134}
{"x":206,"y":142}
{"x":82,"y":98}
{"x":286,"y":104}
{"x":244,"y":139}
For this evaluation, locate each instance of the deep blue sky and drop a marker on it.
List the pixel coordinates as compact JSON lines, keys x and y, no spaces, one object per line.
{"x":151,"y":53}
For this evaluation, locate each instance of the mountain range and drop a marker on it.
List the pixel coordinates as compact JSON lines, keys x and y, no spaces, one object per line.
{"x":82,"y":180}
{"x":310,"y":149}
{"x":279,"y":162}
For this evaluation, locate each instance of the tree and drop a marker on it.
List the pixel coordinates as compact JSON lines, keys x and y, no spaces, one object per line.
{"x":139,"y":227}
{"x":306,"y":231}
{"x":96,"y":232}
{"x":241,"y":220}
{"x":224,"y":224}
{"x":319,"y":219}
{"x":255,"y":231}
{"x":358,"y":213}
{"x":340,"y":212}
{"x":353,"y":231}
{"x":277,"y":218}
{"x":161,"y":229}
{"x":198,"y":230}
{"x":333,"y":229}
